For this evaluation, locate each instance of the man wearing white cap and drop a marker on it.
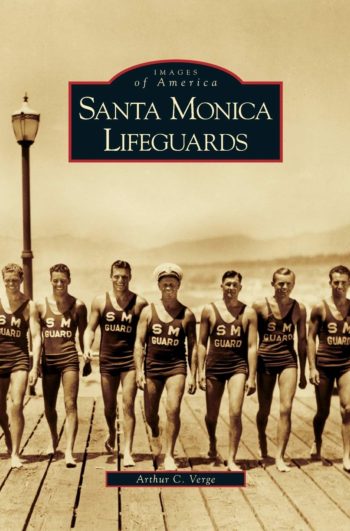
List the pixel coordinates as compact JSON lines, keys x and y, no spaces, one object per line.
{"x":163,"y":329}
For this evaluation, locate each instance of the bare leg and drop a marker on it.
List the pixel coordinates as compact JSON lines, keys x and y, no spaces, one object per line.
{"x":129,"y":393}
{"x":109,"y":385}
{"x":235,"y":387}
{"x":175,"y":387}
{"x":51,"y":384}
{"x":18,"y":387}
{"x":323,"y":393}
{"x":4,"y":420}
{"x":213,"y":395}
{"x":152,"y":393}
{"x":287,"y":385}
{"x":265,"y":387}
{"x":344,"y":397}
{"x":70,"y":382}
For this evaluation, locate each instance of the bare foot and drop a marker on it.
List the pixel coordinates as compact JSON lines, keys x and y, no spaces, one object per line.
{"x":156,"y":443}
{"x":16,"y":462}
{"x":109,"y":445}
{"x":263,"y":453}
{"x":128,"y":460}
{"x":52,"y":447}
{"x":233,"y":467}
{"x":70,"y":461}
{"x":208,"y":455}
{"x":169,"y":463}
{"x":315,"y":452}
{"x":212,"y":453}
{"x":264,"y":457}
{"x":346,"y":463}
{"x":281,"y":465}
{"x":8,"y":442}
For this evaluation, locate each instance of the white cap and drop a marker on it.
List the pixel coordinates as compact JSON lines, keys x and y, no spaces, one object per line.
{"x":168,"y":270}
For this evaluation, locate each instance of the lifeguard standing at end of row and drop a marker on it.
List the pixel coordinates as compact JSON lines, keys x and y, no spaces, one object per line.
{"x":330,"y":362}
{"x":17,"y":315}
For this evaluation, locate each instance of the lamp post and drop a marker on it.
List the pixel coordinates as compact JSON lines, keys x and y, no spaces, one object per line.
{"x":25,"y":124}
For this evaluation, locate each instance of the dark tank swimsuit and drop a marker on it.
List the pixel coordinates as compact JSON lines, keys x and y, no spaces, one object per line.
{"x":118,"y":332}
{"x":228,"y":347}
{"x":276,"y":342}
{"x":333,"y":352}
{"x":165,"y":347}
{"x":14,"y":354}
{"x":59,"y":348}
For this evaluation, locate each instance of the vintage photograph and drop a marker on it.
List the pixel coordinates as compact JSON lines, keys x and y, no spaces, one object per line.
{"x":183,"y":317}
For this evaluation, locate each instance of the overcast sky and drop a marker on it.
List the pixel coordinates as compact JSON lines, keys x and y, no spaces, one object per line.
{"x":305,"y":44}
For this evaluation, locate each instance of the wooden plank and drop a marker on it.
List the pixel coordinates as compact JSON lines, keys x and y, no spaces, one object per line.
{"x":98,"y":505}
{"x":142,"y":452}
{"x":332,"y":442}
{"x":194,"y":435}
{"x":22,"y":485}
{"x":269,"y":505}
{"x":3,"y":448}
{"x":297,"y":486}
{"x":140,"y":507}
{"x":179,"y":501}
{"x":56,"y":500}
{"x":172,"y":500}
{"x":33,"y":411}
{"x":179,"y":452}
{"x":227,"y":508}
{"x":310,"y":496}
{"x":304,"y":410}
{"x":329,"y":476}
{"x":273,"y":508}
{"x":185,"y":507}
{"x":332,"y":430}
{"x":330,"y":479}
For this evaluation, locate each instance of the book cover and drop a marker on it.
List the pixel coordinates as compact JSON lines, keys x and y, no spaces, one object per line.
{"x":206,"y":216}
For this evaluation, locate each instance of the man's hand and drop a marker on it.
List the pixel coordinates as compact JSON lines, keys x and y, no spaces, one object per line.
{"x":250,"y":387}
{"x":33,"y":376}
{"x":140,"y":380}
{"x":191,"y":386}
{"x":202,"y":382}
{"x":87,"y":356}
{"x":302,"y":381}
{"x":314,"y":377}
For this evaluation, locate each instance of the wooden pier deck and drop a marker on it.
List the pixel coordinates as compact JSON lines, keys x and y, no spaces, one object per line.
{"x":45,"y":495}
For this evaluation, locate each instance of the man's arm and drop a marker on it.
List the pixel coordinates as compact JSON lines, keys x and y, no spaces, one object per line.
{"x":191,"y":334}
{"x":89,"y":334}
{"x":301,"y":331}
{"x":252,"y":350}
{"x":315,"y":320}
{"x":258,"y":306}
{"x":82,"y":322}
{"x":141,"y":303}
{"x":140,"y":340}
{"x":204,"y":332}
{"x":35,"y":331}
